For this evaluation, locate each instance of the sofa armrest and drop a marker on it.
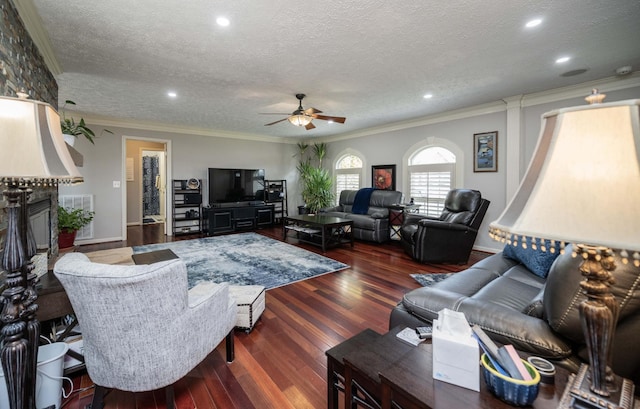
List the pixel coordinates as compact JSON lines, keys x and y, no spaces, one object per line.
{"x":415,"y":218}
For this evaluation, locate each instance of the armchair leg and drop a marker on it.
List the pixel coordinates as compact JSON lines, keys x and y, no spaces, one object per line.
{"x":98,"y":398}
{"x":230,"y":348}
{"x":170,"y":397}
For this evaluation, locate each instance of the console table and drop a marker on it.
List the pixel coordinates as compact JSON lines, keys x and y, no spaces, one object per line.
{"x":380,"y":371}
{"x":225,"y":219}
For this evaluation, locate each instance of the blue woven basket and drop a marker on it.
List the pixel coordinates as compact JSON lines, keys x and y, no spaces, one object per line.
{"x":513,"y":391}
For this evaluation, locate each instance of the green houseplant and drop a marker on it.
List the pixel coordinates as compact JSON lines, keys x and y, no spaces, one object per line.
{"x":71,"y":127}
{"x":69,"y":222}
{"x":317,"y":191}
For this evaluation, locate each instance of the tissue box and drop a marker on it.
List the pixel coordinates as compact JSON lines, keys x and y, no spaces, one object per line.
{"x":455,"y":358}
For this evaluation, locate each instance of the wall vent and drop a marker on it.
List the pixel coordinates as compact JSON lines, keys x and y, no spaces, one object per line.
{"x":84,"y":202}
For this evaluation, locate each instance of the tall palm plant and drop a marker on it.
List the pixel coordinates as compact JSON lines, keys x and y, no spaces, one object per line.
{"x":317,"y":191}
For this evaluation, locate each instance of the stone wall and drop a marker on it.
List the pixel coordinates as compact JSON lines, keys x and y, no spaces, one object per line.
{"x":21,"y":64}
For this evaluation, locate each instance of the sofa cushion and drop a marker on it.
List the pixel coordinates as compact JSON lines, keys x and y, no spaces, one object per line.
{"x":537,"y":261}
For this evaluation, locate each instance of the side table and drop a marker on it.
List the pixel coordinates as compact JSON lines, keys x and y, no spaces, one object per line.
{"x":396,"y":218}
{"x":335,"y":364}
{"x":409,"y":384}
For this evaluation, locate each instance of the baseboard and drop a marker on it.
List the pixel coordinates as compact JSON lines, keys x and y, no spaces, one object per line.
{"x":97,"y":241}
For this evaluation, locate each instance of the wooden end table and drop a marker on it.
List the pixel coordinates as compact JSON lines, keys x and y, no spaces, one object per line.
{"x":384,"y":372}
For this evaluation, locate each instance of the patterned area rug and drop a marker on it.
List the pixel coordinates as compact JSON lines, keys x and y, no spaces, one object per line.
{"x":427,"y":280}
{"x":246,"y":259}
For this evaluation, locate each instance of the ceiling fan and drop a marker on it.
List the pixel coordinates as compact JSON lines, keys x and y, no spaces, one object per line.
{"x":303,"y":117}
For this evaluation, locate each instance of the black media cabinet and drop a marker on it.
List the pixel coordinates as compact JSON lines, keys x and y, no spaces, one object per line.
{"x":229,"y":218}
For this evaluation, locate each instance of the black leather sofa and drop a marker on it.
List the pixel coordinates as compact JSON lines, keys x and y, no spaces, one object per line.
{"x":537,"y":315}
{"x":372,"y":226}
{"x":450,"y":237}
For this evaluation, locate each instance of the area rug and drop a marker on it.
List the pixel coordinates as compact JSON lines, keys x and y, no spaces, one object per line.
{"x":246,"y":259}
{"x":427,"y":280}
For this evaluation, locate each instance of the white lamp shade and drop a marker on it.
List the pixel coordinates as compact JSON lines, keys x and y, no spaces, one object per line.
{"x":583,"y":182}
{"x":33,"y":150}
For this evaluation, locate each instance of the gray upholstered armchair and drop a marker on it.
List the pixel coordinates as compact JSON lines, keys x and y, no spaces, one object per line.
{"x":142,"y":329}
{"x":450,"y":237}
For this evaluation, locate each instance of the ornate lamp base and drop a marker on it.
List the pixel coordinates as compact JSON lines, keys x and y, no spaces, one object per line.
{"x":578,"y":394}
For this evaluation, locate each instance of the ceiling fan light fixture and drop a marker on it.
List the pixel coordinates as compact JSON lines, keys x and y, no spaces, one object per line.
{"x":300,"y":119}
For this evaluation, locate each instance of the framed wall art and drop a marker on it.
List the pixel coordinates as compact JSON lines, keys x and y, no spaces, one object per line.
{"x":383,"y":177}
{"x":485,"y":152}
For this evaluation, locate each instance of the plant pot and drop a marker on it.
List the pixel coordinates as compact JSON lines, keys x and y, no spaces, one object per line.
{"x":69,"y":139}
{"x":303,"y":210}
{"x":66,"y":239}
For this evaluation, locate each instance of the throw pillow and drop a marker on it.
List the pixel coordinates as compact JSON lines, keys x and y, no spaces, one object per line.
{"x":537,"y":261}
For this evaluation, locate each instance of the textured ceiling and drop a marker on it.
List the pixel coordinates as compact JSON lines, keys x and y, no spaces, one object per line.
{"x":371,"y":61}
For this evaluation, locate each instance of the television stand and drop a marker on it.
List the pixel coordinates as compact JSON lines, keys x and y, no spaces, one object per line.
{"x":231,"y":217}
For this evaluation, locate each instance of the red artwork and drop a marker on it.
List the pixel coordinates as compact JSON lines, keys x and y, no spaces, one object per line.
{"x":383,"y":177}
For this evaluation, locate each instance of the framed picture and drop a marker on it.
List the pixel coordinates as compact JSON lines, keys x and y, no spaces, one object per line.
{"x":383,"y":177}
{"x":485,"y":152}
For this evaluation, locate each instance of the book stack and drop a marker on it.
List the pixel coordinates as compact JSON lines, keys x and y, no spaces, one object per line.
{"x":504,"y":359}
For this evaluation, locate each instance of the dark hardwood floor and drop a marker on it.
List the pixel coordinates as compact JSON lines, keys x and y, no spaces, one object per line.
{"x":281,"y":363}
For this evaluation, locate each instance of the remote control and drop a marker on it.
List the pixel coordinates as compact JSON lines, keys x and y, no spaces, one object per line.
{"x":424,"y":332}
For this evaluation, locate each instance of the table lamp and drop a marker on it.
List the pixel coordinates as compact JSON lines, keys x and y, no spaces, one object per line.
{"x":32,"y":153}
{"x":583,"y":187}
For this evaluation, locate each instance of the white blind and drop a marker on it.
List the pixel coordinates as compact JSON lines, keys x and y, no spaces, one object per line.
{"x":346,"y":181}
{"x":429,"y":185}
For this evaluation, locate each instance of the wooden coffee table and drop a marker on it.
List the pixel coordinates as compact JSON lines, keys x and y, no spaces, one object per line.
{"x":320,"y":230}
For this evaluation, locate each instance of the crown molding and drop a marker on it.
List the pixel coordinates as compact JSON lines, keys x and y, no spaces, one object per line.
{"x":483,"y":109}
{"x":34,"y":25}
{"x":581,"y":90}
{"x":175,"y":129}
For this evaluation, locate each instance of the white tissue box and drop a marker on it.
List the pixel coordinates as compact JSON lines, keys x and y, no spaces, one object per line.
{"x":456,"y":359}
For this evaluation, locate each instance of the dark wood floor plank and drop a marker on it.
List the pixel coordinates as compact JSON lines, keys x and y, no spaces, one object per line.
{"x":282,"y":363}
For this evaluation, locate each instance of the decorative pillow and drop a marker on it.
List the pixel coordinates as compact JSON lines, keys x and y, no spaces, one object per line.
{"x":537,"y":261}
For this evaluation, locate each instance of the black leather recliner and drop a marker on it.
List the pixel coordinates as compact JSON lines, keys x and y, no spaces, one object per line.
{"x":449,"y":238}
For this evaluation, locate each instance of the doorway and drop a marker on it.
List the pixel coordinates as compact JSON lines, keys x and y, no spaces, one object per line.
{"x":147,"y":170}
{"x":153,"y":186}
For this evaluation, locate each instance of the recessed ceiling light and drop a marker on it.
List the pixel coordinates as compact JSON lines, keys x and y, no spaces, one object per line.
{"x":427,"y":96}
{"x":223,"y":21}
{"x":172,"y":94}
{"x":562,"y":60}
{"x":533,"y":23}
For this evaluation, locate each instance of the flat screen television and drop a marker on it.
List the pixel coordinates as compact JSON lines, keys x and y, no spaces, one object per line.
{"x":235,"y":185}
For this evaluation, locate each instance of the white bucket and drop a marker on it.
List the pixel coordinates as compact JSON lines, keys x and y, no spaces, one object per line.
{"x":49,"y":377}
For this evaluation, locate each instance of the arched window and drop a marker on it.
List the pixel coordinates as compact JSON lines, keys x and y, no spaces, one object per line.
{"x":348,"y":174}
{"x":431,"y":172}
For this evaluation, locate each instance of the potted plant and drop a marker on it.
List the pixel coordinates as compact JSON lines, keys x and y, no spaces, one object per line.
{"x":317,"y":191}
{"x":74,"y":129}
{"x":69,"y":222}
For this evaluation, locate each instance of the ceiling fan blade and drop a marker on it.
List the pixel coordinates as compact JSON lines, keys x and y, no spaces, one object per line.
{"x":272,"y":113}
{"x":309,"y":126}
{"x":273,"y":123}
{"x":339,"y":119}
{"x":311,"y":111}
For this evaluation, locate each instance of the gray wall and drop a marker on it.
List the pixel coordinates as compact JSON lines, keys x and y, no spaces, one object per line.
{"x":193,"y":154}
